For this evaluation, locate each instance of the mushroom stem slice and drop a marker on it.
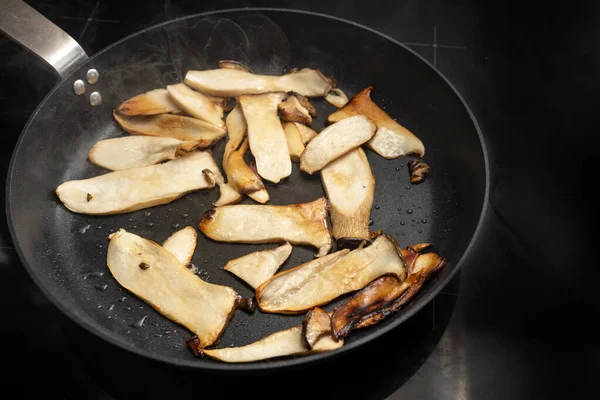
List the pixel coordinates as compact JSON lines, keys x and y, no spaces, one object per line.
{"x":304,"y":223}
{"x":307,"y":286}
{"x":135,"y":151}
{"x":335,"y":141}
{"x":306,"y":133}
{"x":266,"y":136}
{"x":233,"y":82}
{"x":182,"y":244}
{"x":230,"y":64}
{"x":294,"y":141}
{"x":350,"y":187}
{"x":156,"y":101}
{"x":196,"y":104}
{"x":137,"y":188}
{"x":173,"y":126}
{"x":292,"y":111}
{"x":228,"y":194}
{"x":391,"y":140}
{"x":169,"y":287}
{"x":315,"y":325}
{"x":337,"y":98}
{"x":258,"y":267}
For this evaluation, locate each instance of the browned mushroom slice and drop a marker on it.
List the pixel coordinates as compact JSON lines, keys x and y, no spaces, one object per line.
{"x":157,"y":277}
{"x":385,"y":295}
{"x":294,"y":141}
{"x":258,"y":267}
{"x":182,"y":244}
{"x":266,"y":136}
{"x":418,"y":171}
{"x":196,"y":104}
{"x":292,"y":111}
{"x":335,"y":141}
{"x":337,"y":98}
{"x":350,"y":188}
{"x":307,"y":286}
{"x":391,"y":140}
{"x":232,"y":82}
{"x":304,"y":223}
{"x":288,"y":342}
{"x":137,"y":188}
{"x":156,"y":101}
{"x":304,"y":102}
{"x":230,"y":64}
{"x":306,"y":133}
{"x":315,"y":325}
{"x":173,"y":126}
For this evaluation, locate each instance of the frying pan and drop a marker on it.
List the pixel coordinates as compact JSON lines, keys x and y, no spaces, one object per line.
{"x":65,"y":253}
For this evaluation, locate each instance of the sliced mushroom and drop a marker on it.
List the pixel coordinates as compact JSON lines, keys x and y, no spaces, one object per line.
{"x":135,"y":151}
{"x":292,"y":111}
{"x":182,"y":244}
{"x":137,"y":188}
{"x":258,"y":267}
{"x":337,"y":98}
{"x":350,"y":187}
{"x":304,"y":223}
{"x":266,"y":136}
{"x":233,"y":82}
{"x":156,"y":101}
{"x":306,"y":133}
{"x":418,"y":171}
{"x":230,"y":64}
{"x":288,"y":342}
{"x":315,"y":325}
{"x":307,"y":286}
{"x":228,"y":194}
{"x":196,"y":104}
{"x":173,"y":126}
{"x":335,"y":141}
{"x":391,"y":140}
{"x":294,"y":141}
{"x":169,"y":287}
{"x":304,"y":102}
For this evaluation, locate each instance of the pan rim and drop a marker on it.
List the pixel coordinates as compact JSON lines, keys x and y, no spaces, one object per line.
{"x":280,"y":364}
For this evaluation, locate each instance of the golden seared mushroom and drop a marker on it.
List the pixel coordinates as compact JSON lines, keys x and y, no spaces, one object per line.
{"x":315,"y":325}
{"x":304,"y":102}
{"x":304,"y":224}
{"x":173,"y":126}
{"x":230,"y":64}
{"x":418,"y":171}
{"x":337,"y":98}
{"x":182,"y":244}
{"x":385,"y":295}
{"x":306,"y":133}
{"x":156,"y":101}
{"x":266,"y":136}
{"x":227,"y":82}
{"x":157,"y":277}
{"x":335,"y":141}
{"x":258,"y":267}
{"x":137,"y":188}
{"x":350,"y":188}
{"x":135,"y":151}
{"x":292,"y":111}
{"x":288,"y":342}
{"x":294,"y":141}
{"x":391,"y":140}
{"x":196,"y":104}
{"x":311,"y":285}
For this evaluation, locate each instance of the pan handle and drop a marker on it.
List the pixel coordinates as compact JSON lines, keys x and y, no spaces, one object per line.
{"x":36,"y":33}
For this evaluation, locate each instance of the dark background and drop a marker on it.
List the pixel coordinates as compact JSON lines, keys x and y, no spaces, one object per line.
{"x":519,"y":319}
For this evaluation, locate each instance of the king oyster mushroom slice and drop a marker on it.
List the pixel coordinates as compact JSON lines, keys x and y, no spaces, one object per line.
{"x":306,"y":133}
{"x":258,"y":267}
{"x":266,"y":136}
{"x":350,"y":188}
{"x":182,"y":244}
{"x":196,"y":104}
{"x":135,"y":151}
{"x":156,"y":101}
{"x":391,"y":140}
{"x":230,"y":64}
{"x":137,"y":188}
{"x":233,"y":82}
{"x":304,"y":223}
{"x":288,"y":342}
{"x":337,"y":98}
{"x":310,"y":285}
{"x":292,"y":111}
{"x":315,"y":325}
{"x":173,"y":126}
{"x":157,"y":277}
{"x":294,"y":141}
{"x":228,"y":194}
{"x":335,"y":141}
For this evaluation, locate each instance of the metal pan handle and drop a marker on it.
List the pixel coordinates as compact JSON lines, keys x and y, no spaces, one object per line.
{"x":32,"y":30}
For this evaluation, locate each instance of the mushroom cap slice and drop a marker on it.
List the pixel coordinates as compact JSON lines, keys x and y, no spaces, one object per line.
{"x":335,"y":141}
{"x":336,"y":97}
{"x":292,"y":111}
{"x":168,"y":286}
{"x":135,"y":151}
{"x":259,"y":266}
{"x":294,"y":141}
{"x":315,"y":325}
{"x":391,"y":140}
{"x":230,"y":64}
{"x":156,"y":101}
{"x":307,"y":286}
{"x":137,"y":188}
{"x":304,"y":223}
{"x":196,"y":104}
{"x":182,"y":244}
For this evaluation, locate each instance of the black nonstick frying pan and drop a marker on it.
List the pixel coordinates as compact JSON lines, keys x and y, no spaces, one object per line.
{"x":65,"y":253}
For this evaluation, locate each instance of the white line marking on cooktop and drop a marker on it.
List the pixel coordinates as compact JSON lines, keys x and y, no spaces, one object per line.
{"x":87,"y":22}
{"x":435,"y":45}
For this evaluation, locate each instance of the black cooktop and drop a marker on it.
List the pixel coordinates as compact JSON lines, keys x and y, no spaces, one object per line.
{"x":516,"y":322}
